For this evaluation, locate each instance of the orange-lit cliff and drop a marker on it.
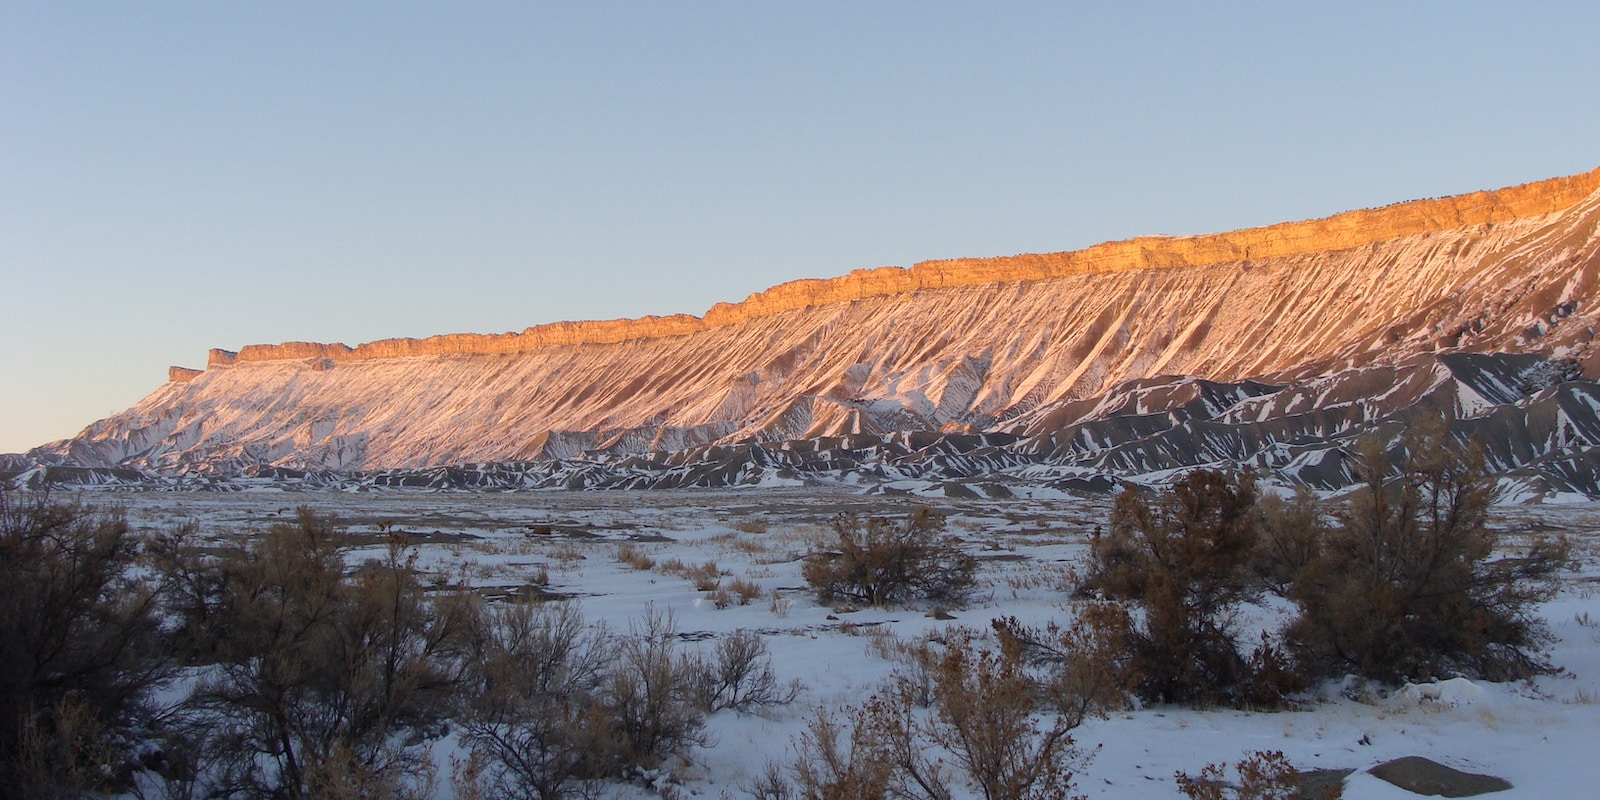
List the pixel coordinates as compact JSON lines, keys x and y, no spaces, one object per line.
{"x":966,"y":344}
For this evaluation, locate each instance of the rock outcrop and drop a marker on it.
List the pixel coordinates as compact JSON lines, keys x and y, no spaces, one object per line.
{"x":1345,"y":231}
{"x":1027,"y":346}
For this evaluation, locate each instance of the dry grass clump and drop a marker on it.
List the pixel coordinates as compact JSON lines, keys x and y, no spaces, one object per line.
{"x":634,"y":556}
{"x":746,"y":589}
{"x":741,"y":543}
{"x":567,"y":552}
{"x":751,"y":525}
{"x":706,"y":576}
{"x":738,"y":591}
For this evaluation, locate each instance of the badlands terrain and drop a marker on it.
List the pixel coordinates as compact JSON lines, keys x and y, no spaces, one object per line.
{"x":1273,"y":347}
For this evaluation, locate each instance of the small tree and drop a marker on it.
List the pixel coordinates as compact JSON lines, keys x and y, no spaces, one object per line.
{"x":314,"y":674}
{"x":879,"y":561}
{"x":1291,"y":535}
{"x":81,"y":647}
{"x":1187,"y":558}
{"x":1405,"y":587}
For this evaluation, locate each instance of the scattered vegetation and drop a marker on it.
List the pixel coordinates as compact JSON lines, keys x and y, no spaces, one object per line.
{"x":288,"y":672}
{"x":1263,"y":775}
{"x":309,"y":676}
{"x":1402,"y":584}
{"x":878,"y":561}
{"x":305,"y":678}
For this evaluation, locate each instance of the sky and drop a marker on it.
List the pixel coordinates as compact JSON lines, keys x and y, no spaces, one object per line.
{"x":181,"y":176}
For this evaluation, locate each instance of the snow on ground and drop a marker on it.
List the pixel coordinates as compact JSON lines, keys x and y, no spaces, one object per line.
{"x":1538,"y":735}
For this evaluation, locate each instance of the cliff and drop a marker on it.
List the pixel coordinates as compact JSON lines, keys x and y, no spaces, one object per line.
{"x":1345,"y":231}
{"x":1011,"y":345}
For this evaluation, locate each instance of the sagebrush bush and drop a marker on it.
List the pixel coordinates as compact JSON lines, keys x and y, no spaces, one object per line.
{"x":984,"y":716}
{"x":81,"y":646}
{"x":1263,"y":775}
{"x":535,"y":705}
{"x":1089,"y":665}
{"x":652,"y":697}
{"x":312,"y":674}
{"x":1186,"y":559}
{"x":738,"y":676}
{"x":1291,"y":535}
{"x":879,"y":561}
{"x":1406,"y":586}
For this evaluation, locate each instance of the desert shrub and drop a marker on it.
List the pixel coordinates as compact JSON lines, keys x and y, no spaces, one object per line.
{"x":1118,"y":564}
{"x":1291,"y":532}
{"x":81,"y":647}
{"x":739,"y":676}
{"x":535,"y":717}
{"x":879,"y":561}
{"x":555,"y":706}
{"x":313,"y":676}
{"x":984,"y":717}
{"x":1187,"y":559}
{"x":634,"y":556}
{"x":1406,"y":587}
{"x":1089,"y":665}
{"x":1263,"y":775}
{"x":651,"y":698}
{"x":838,"y":760}
{"x":916,"y":660}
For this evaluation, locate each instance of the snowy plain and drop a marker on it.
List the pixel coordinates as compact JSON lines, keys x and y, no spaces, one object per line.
{"x":1539,"y":735}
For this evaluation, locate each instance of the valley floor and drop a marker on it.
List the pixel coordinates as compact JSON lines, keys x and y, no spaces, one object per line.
{"x":1538,"y":735}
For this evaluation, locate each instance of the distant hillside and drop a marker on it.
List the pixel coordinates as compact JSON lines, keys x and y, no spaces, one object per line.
{"x":1292,"y":337}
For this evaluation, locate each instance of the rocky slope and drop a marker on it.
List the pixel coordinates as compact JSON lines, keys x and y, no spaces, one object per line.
{"x":1304,"y":334}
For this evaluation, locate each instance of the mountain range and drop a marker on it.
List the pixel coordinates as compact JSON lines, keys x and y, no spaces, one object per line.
{"x":1273,"y":347}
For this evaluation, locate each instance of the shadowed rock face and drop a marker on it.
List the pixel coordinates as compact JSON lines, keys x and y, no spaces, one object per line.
{"x":1301,"y":335}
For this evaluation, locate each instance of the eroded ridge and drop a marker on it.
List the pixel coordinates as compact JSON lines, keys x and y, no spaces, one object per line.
{"x":1344,"y":231}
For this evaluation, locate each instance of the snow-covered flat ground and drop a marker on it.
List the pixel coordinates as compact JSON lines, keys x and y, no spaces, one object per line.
{"x":1538,"y":735}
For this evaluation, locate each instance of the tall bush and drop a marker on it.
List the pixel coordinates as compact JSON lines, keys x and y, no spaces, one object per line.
{"x":81,"y":646}
{"x":1408,"y":587}
{"x":312,"y":675}
{"x":1186,"y":558}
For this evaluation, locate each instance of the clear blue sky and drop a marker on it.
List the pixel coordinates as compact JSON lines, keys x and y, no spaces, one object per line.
{"x":181,"y":176}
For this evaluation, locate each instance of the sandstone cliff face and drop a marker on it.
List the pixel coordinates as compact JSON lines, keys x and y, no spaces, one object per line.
{"x":991,"y":344}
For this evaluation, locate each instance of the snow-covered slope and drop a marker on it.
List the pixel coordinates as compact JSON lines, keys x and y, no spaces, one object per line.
{"x":1030,"y":345}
